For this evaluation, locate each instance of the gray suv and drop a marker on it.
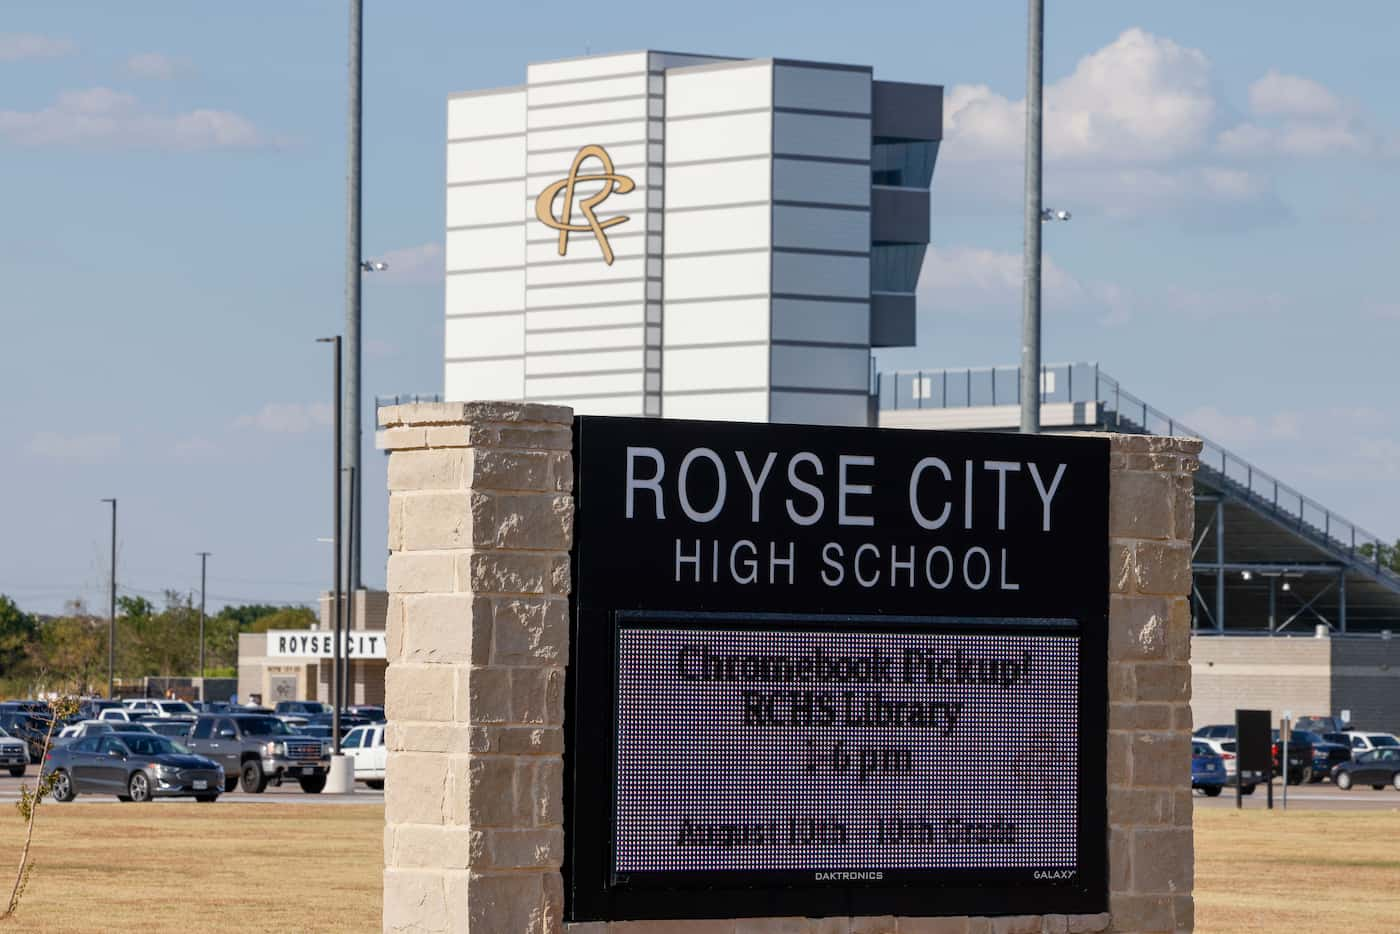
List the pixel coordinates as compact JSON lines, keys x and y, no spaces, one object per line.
{"x":257,"y":749}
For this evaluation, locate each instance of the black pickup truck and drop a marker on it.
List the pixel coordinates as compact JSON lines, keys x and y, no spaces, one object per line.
{"x":257,"y":750}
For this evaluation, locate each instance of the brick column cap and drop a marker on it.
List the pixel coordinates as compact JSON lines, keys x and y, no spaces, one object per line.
{"x":420,"y":414}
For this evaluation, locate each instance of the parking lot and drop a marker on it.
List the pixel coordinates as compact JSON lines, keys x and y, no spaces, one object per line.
{"x":1318,"y":797}
{"x":289,"y":793}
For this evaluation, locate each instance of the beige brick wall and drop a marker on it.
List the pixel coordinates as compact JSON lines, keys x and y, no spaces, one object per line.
{"x":480,"y":525}
{"x":1259,"y":673}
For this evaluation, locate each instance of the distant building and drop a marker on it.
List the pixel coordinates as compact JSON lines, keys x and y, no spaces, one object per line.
{"x":296,"y":664}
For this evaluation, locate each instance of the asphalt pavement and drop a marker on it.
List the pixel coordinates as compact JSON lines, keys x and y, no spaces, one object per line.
{"x":1319,"y":797}
{"x":290,"y":793}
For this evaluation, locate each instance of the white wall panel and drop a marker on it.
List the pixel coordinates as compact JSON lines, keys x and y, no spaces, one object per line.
{"x":836,"y":322}
{"x":719,"y":137}
{"x":484,"y":379}
{"x":716,"y":322}
{"x":486,"y":114}
{"x":821,"y":89}
{"x":718,"y":89}
{"x":485,"y":248}
{"x":824,"y":182}
{"x":821,"y":229}
{"x":583,"y":246}
{"x":595,"y":66}
{"x":543,"y":118}
{"x":602,"y":405}
{"x":546,"y":341}
{"x":588,"y":90}
{"x":543,"y":249}
{"x":727,"y":406}
{"x":485,"y":336}
{"x":714,"y":368}
{"x":555,"y":165}
{"x":478,"y":292}
{"x":585,"y":362}
{"x":589,"y":272}
{"x":804,"y":408}
{"x":808,"y":274}
{"x":718,"y":183}
{"x":577,"y":137}
{"x":718,"y":229}
{"x":707,"y":276}
{"x":600,"y":293}
{"x":595,"y":316}
{"x":486,"y":159}
{"x":485,"y":204}
{"x":811,"y":135}
{"x":821,"y":367}
{"x":545,"y":386}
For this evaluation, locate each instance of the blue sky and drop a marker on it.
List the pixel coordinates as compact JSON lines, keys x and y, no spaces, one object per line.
{"x":172,"y":240}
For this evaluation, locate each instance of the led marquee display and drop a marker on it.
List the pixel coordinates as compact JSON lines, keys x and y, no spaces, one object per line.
{"x":825,"y":671}
{"x":824,"y":751}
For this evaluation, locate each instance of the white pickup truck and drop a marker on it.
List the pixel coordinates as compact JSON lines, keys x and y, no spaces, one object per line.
{"x":365,"y":744}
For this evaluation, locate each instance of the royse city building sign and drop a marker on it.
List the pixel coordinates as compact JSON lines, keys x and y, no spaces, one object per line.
{"x":839,"y":671}
{"x":306,"y":643}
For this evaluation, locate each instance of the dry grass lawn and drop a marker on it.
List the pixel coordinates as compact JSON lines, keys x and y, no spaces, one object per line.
{"x":1261,"y":873}
{"x":309,"y":868}
{"x":197,"y":867}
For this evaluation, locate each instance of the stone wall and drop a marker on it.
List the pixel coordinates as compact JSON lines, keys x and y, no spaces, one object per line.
{"x":480,"y":525}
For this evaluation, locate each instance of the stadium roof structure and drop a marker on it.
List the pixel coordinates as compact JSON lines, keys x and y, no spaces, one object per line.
{"x":1266,"y":559}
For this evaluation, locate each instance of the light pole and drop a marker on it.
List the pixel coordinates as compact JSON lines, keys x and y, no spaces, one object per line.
{"x":354,"y":267}
{"x":335,"y":547}
{"x":112,"y":607}
{"x":349,"y":600}
{"x":203,"y":568}
{"x":1030,"y":272}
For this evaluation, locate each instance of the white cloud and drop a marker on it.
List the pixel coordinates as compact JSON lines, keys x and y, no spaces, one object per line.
{"x":18,"y":46}
{"x":287,"y":417}
{"x":104,"y":117}
{"x":421,"y":263}
{"x":156,"y":67}
{"x":1232,"y":429}
{"x":1137,"y":129}
{"x":1297,"y":116}
{"x":1141,"y":98}
{"x":87,"y":448}
{"x":1277,"y":94}
{"x":972,"y":280}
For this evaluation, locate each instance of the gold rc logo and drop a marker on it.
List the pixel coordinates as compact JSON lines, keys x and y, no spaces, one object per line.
{"x":563,"y":222}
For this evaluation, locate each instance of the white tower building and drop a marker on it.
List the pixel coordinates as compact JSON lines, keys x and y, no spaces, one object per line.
{"x":757,"y":226}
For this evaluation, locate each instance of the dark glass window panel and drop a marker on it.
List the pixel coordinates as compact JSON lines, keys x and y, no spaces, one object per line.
{"x":894,"y":267}
{"x":905,"y":163}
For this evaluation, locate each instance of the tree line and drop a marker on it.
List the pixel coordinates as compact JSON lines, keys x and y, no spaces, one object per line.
{"x":68,"y":652}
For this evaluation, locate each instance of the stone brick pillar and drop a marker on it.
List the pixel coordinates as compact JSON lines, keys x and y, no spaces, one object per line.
{"x":480,"y":524}
{"x":1151,"y":519}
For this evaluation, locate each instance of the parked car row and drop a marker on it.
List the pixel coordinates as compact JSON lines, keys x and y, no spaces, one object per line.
{"x":1347,"y":757}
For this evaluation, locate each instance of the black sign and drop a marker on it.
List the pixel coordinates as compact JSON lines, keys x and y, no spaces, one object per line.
{"x":1254,"y":741}
{"x":821,"y":671}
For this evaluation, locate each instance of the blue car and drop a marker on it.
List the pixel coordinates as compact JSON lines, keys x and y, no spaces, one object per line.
{"x":1207,"y":769}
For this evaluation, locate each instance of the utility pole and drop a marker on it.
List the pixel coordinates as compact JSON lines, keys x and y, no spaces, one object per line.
{"x":335,"y":546}
{"x":1030,"y":270}
{"x":203,"y":568}
{"x":112,"y":608}
{"x":353,"y":271}
{"x":349,"y":600}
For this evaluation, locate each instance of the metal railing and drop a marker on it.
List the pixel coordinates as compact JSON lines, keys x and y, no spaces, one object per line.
{"x":405,"y":399}
{"x":1123,"y":411}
